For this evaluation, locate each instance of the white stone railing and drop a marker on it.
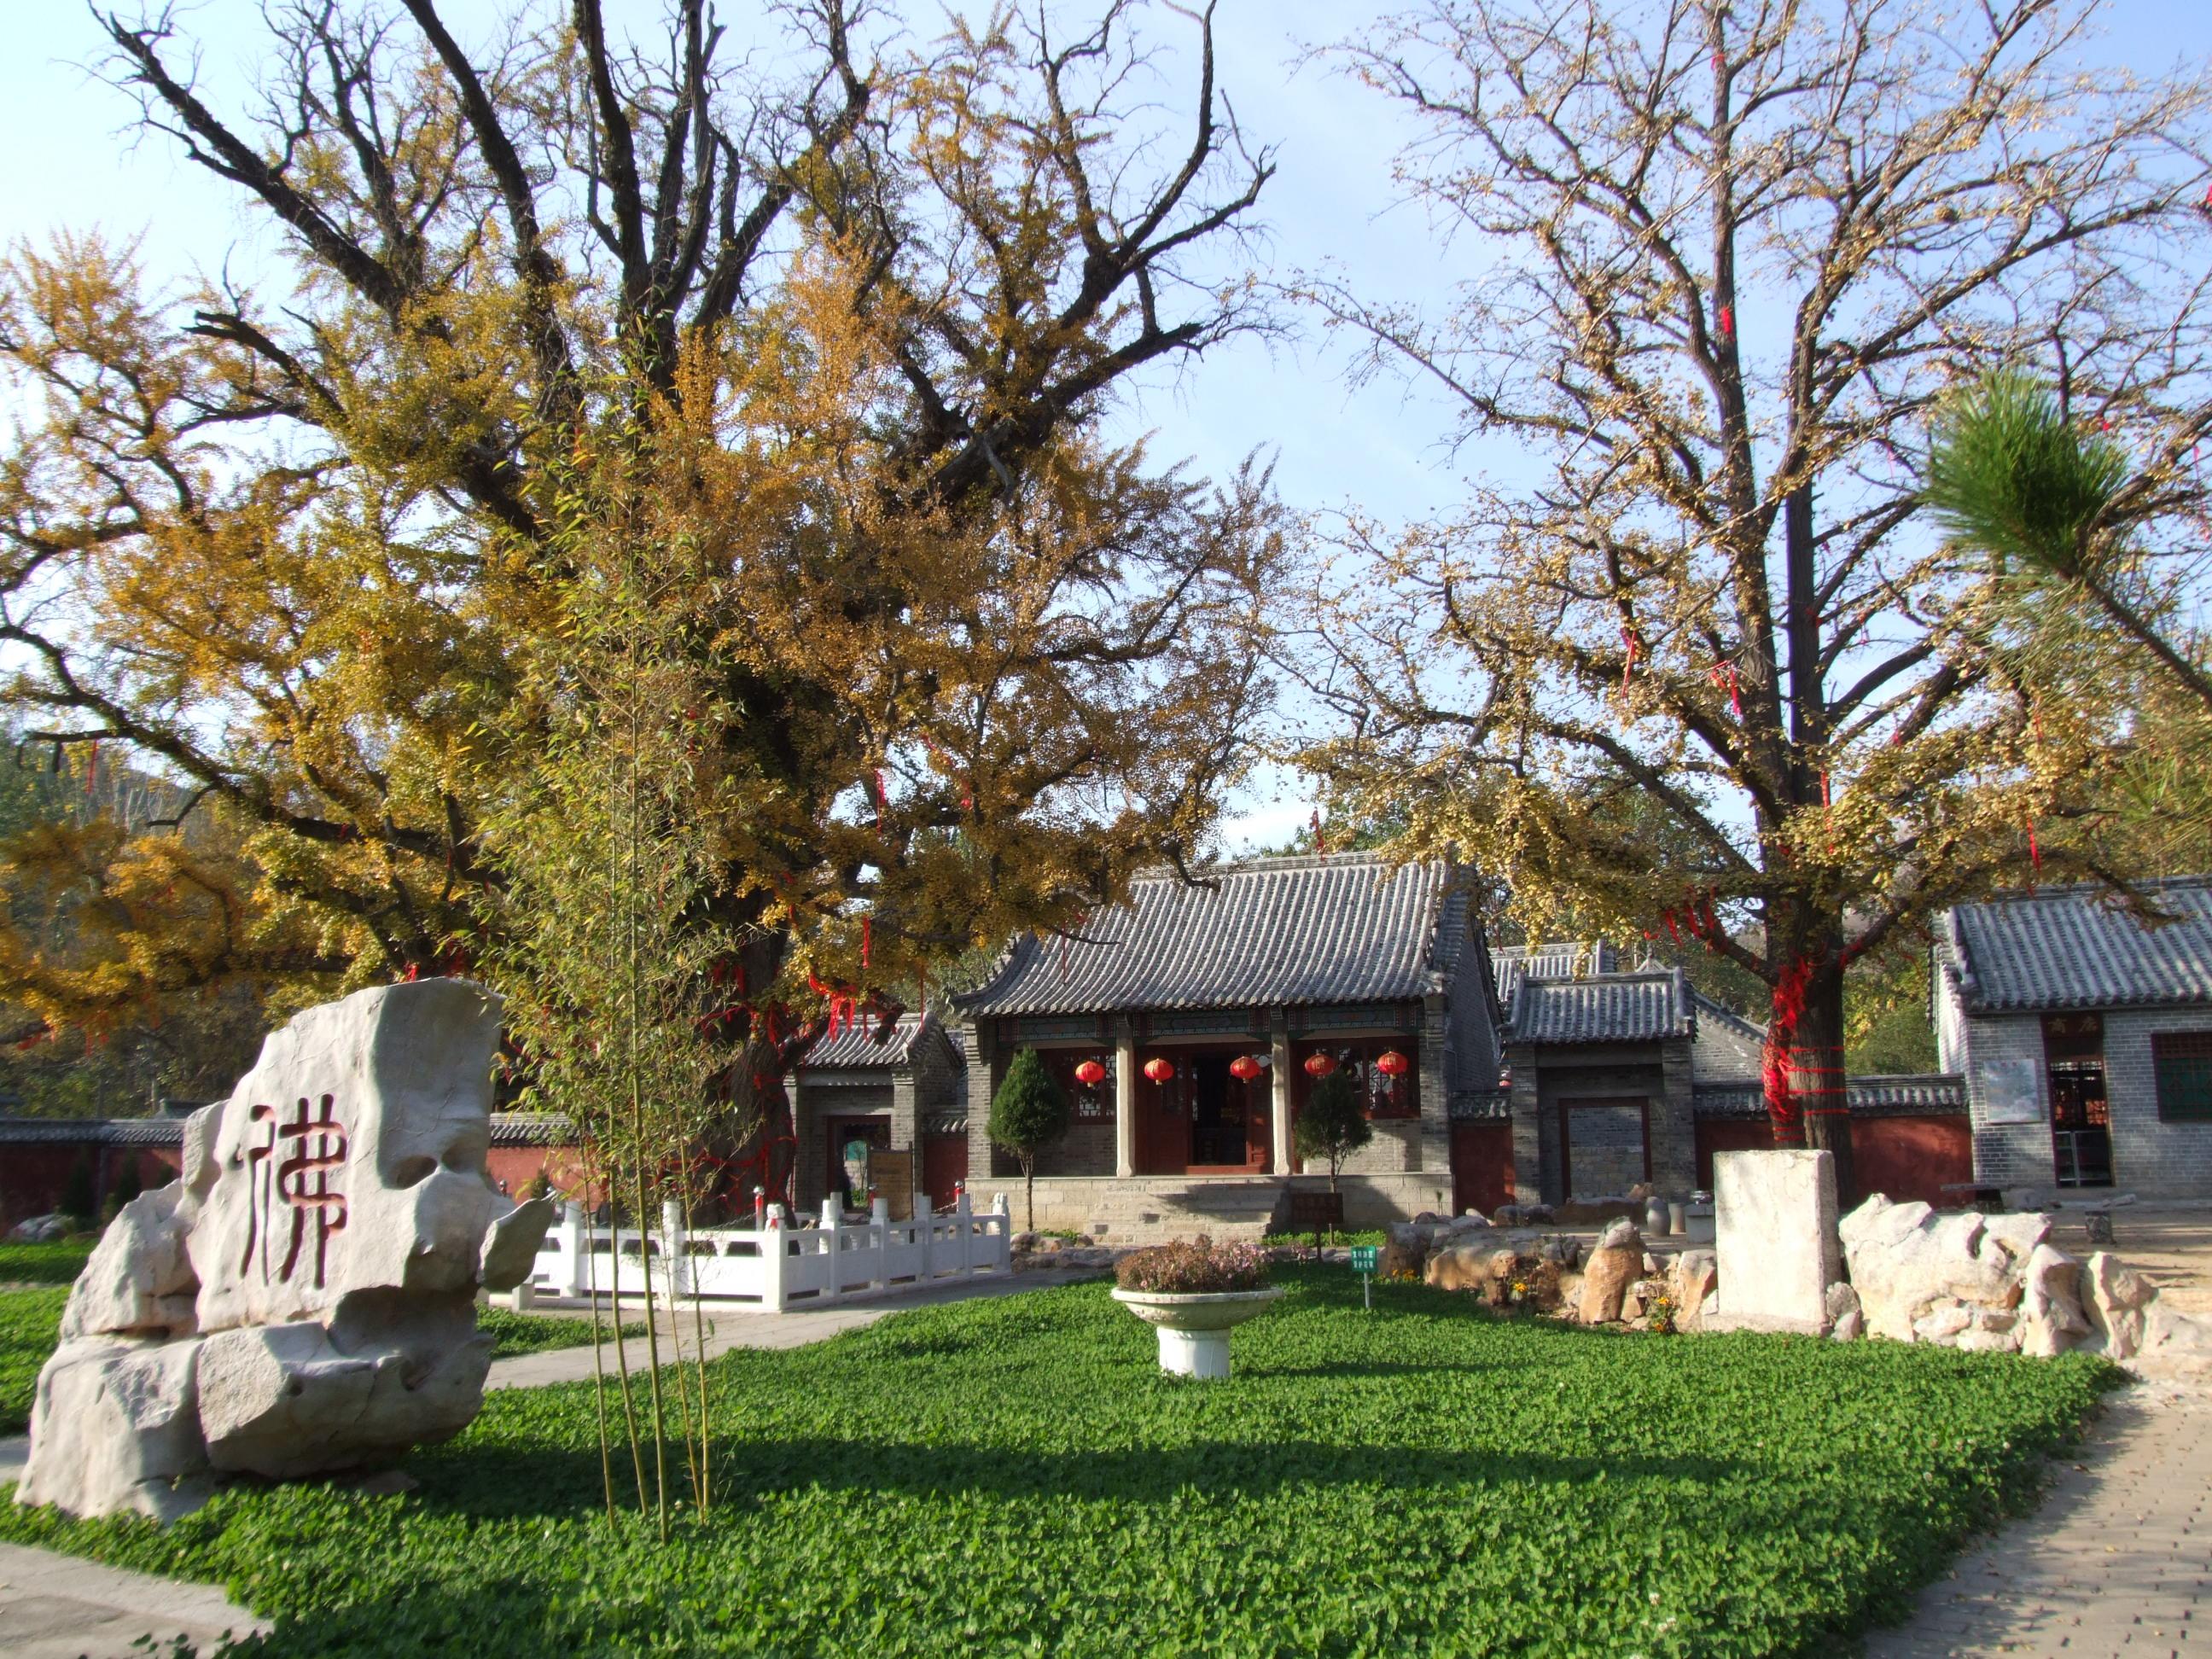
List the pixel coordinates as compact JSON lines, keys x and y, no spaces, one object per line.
{"x":776,"y":1266}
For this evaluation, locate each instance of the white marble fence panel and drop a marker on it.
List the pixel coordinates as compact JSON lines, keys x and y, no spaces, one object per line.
{"x":778,"y":1264}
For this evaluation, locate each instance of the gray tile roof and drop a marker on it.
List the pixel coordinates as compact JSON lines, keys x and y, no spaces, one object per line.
{"x":508,"y":1129}
{"x":1640,"y":1007}
{"x":2074,"y":947}
{"x":1512,"y":963}
{"x":1932,"y":1092}
{"x":1273,"y":933}
{"x":857,"y":1046}
{"x":92,"y":1132}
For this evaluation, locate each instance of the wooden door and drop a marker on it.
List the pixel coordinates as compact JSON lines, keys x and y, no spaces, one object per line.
{"x":943,"y":1167}
{"x":1481,"y":1165}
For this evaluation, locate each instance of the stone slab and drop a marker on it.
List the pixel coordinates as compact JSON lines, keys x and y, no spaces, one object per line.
{"x":57,"y":1607}
{"x":1776,"y":1237}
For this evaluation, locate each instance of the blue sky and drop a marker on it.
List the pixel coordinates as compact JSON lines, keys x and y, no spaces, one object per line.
{"x":77,"y":168}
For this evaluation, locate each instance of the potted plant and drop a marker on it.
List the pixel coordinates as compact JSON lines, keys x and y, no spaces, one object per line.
{"x":1193,"y":1292}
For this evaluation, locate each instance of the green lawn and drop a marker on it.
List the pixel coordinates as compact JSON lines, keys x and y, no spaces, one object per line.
{"x":29,"y":1320}
{"x":1015,"y":1474}
{"x":58,"y":1263}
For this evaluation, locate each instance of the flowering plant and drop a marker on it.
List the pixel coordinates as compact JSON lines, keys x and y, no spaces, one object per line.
{"x":1193,"y":1267}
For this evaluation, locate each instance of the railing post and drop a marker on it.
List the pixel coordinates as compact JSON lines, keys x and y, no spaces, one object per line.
{"x":833,"y":1225}
{"x":672,"y":1246}
{"x":999,"y":1241}
{"x":966,"y":1218}
{"x":776,"y":1258}
{"x":574,"y":1243}
{"x":879,"y":1223}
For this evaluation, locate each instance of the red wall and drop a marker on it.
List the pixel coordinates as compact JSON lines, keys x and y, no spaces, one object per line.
{"x":31,"y":1177}
{"x":1910,"y":1157}
{"x":1482,"y":1166}
{"x":1901,"y":1158}
{"x":944,"y":1166}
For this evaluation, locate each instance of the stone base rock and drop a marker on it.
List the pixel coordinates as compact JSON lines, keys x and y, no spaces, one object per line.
{"x":115,"y":1428}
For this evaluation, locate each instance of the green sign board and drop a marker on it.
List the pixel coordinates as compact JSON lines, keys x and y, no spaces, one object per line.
{"x":1363,"y":1258}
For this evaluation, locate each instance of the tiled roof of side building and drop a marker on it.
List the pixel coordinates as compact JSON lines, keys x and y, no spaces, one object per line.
{"x":1930,"y":1094}
{"x":1642,"y":1007}
{"x":2081,"y":947}
{"x":860,"y":1045}
{"x":1272,"y":933}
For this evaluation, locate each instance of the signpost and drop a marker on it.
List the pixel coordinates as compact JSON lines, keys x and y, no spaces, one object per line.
{"x":1363,"y":1263}
{"x":1316,"y":1211}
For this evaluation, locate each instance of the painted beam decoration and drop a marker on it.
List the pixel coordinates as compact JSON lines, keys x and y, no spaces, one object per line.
{"x":303,"y":1300}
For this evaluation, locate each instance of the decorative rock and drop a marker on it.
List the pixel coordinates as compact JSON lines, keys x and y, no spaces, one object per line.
{"x":2174,"y":1344}
{"x":1939,"y":1323}
{"x":303,"y":1299}
{"x":1464,"y":1267}
{"x":1839,"y":1304}
{"x":2050,"y":1304}
{"x":40,"y":1230}
{"x":1397,"y":1258}
{"x":1620,"y":1234}
{"x":1691,"y":1282}
{"x":1612,"y":1269}
{"x":1535,"y":1215}
{"x":2114,"y":1296}
{"x":1651,"y":1265}
{"x":1906,"y":1260}
{"x":116,"y":1421}
{"x":1849,"y":1328}
{"x":1776,"y":1237}
{"x":1505,"y":1215}
{"x":138,"y":1281}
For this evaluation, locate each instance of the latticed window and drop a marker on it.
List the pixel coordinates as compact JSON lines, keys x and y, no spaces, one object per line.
{"x":2182,"y":1061}
{"x":1087,"y":1103}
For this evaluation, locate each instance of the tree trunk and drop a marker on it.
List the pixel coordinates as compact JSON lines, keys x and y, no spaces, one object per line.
{"x":1029,"y":1194}
{"x":1817,"y":1081}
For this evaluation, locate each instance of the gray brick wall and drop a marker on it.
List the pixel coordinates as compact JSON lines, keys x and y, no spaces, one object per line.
{"x":2151,"y":1158}
{"x":2163,"y":1160}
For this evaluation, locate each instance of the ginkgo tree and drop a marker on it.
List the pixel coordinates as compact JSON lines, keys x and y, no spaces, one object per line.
{"x":1724,"y":260}
{"x":849,"y":339}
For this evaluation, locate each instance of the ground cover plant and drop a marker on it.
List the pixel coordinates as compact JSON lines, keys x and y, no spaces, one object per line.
{"x":1017,"y":1473}
{"x":57,"y":1261}
{"x":30,"y":1321}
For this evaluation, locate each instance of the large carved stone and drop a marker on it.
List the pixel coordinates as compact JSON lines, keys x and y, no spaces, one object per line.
{"x":302,"y":1299}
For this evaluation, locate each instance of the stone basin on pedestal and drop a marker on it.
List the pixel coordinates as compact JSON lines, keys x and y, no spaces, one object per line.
{"x":1194,"y":1328}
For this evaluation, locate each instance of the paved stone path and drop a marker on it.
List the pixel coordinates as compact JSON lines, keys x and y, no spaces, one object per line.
{"x":57,"y":1607}
{"x":728,"y":1328}
{"x":2116,"y":1563}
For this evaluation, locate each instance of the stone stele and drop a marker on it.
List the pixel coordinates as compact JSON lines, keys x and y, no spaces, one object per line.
{"x":1774,"y":1237}
{"x":303,"y":1299}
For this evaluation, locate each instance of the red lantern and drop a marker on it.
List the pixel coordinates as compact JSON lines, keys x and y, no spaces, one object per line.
{"x":1158,"y":1070}
{"x":1091,"y":1074}
{"x":1391,"y":1063}
{"x":1320,"y":1065}
{"x":1244,"y":1068}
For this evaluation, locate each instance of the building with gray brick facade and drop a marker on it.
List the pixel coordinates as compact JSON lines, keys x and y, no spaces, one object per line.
{"x":2083,"y":1029}
{"x":1185,"y":1026}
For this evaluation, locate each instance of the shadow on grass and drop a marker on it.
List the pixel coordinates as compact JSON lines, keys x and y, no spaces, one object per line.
{"x":488,"y":1485}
